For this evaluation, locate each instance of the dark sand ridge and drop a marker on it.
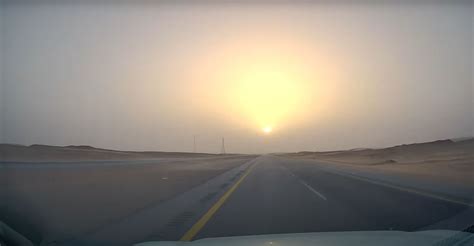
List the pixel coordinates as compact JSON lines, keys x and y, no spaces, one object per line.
{"x":444,"y":160}
{"x":47,"y":201}
{"x":34,"y":153}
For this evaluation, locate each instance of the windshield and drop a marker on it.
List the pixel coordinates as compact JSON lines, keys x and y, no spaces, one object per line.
{"x":127,"y":122}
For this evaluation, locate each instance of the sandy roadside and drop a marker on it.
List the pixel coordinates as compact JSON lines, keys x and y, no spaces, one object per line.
{"x":66,"y":199}
{"x":441,"y":161}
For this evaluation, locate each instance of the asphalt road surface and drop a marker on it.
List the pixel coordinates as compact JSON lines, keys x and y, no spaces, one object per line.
{"x":281,"y":196}
{"x":269,"y":195}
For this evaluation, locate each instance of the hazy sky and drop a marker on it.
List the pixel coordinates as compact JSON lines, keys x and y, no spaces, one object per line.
{"x":149,"y":76}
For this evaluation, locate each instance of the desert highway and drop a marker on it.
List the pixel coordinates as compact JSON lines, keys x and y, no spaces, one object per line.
{"x":271,"y":194}
{"x":279,"y":196}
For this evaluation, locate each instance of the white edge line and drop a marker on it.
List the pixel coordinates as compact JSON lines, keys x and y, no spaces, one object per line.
{"x":312,"y":190}
{"x":401,"y":188}
{"x":306,"y":185}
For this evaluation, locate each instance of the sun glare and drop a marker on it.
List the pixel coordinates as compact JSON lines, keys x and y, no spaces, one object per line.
{"x":269,"y":92}
{"x":262,"y":86}
{"x":267,"y":130}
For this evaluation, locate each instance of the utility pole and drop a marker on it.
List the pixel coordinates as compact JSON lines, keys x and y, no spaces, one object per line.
{"x":194,"y":143}
{"x":223,"y":147}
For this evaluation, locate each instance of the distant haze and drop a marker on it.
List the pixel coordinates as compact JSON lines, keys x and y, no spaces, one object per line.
{"x":151,"y":75}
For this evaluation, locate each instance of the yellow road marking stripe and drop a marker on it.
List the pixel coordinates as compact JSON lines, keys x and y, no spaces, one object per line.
{"x":191,"y":233}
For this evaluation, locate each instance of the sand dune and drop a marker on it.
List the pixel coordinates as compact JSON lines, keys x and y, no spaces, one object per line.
{"x":58,"y":201}
{"x":443,"y":160}
{"x":442,"y":150}
{"x":11,"y":152}
{"x":46,"y":189}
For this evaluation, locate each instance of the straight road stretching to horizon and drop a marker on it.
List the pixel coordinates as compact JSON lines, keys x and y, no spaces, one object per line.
{"x":190,"y":199}
{"x":271,"y":194}
{"x":281,"y":196}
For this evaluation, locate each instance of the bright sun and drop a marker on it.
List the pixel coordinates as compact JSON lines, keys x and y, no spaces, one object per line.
{"x":266,"y":88}
{"x":268,"y":92}
{"x":267,"y":129}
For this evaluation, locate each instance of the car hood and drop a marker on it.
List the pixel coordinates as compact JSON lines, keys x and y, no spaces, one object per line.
{"x":366,"y":238}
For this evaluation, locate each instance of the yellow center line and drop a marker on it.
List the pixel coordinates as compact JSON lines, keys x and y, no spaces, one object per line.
{"x":191,"y":233}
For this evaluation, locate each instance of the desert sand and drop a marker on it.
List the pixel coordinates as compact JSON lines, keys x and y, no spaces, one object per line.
{"x":41,"y":153}
{"x":444,"y":160}
{"x":46,"y":190}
